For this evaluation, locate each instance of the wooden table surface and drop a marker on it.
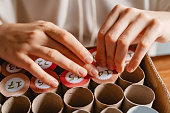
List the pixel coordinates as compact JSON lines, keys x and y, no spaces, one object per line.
{"x":162,"y":64}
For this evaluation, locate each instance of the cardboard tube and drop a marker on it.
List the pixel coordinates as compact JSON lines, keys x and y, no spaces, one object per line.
{"x":80,"y":111}
{"x":111,"y":110}
{"x":138,"y":95}
{"x":14,"y":85}
{"x":78,"y":98}
{"x":39,"y":87}
{"x":141,"y":109}
{"x":2,"y":99}
{"x":47,"y":103}
{"x":125,"y":79}
{"x":8,"y":69}
{"x":108,"y":95}
{"x":104,"y":76}
{"x":20,"y":104}
{"x":70,"y":80}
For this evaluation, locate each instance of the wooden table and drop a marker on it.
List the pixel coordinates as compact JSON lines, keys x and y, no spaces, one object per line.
{"x":162,"y":64}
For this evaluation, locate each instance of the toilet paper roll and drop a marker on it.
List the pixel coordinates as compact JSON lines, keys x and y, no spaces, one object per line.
{"x":141,"y":109}
{"x":137,"y":95}
{"x":15,"y":85}
{"x":8,"y":69}
{"x":108,"y":95}
{"x":19,"y":104}
{"x":78,"y":98}
{"x":70,"y":80}
{"x":111,"y":110}
{"x":47,"y":103}
{"x":80,"y":111}
{"x":125,"y":79}
{"x":104,"y":76}
{"x":39,"y":87}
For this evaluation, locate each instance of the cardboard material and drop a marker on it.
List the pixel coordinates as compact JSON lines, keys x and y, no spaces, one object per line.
{"x":108,"y":95}
{"x":137,"y":95}
{"x":39,"y":87}
{"x":20,"y":104}
{"x":125,"y":79}
{"x":111,"y":110}
{"x":154,"y":81}
{"x":70,"y":80}
{"x":15,"y":85}
{"x":47,"y":103}
{"x":104,"y":76}
{"x":80,"y":111}
{"x":8,"y":69}
{"x":141,"y":109}
{"x":78,"y":98}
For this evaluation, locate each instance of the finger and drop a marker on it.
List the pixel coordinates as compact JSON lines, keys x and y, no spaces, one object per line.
{"x":127,"y":37}
{"x":150,"y":35}
{"x":68,"y":40}
{"x":112,"y":36}
{"x":92,"y":70}
{"x":101,"y":50}
{"x":28,"y":64}
{"x":59,"y":59}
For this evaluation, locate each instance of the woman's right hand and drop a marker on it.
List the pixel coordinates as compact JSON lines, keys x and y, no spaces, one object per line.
{"x":46,"y":40}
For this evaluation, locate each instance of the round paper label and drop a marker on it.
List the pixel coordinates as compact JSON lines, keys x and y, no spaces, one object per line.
{"x":39,"y":84}
{"x":104,"y":73}
{"x":43,"y":63}
{"x":129,"y":55}
{"x":72,"y":78}
{"x":14,"y":84}
{"x":12,"y":68}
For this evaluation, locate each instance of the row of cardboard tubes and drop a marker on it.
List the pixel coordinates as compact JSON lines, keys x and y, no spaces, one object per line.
{"x":81,"y":98}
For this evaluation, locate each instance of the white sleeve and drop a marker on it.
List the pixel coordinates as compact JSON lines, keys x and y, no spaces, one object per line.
{"x":160,"y":5}
{"x":7,"y":11}
{"x":158,"y":49}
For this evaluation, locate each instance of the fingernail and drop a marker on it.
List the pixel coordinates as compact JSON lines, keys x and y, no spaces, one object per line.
{"x":82,"y":72}
{"x":54,"y":83}
{"x":89,"y":59}
{"x":94,"y":72}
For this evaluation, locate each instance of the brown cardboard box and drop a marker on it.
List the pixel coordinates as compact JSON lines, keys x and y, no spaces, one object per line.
{"x":154,"y":81}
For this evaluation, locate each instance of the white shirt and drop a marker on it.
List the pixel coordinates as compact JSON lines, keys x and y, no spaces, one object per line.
{"x":83,"y":18}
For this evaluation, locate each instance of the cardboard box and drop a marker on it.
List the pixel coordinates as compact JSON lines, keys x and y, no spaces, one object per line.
{"x":154,"y":81}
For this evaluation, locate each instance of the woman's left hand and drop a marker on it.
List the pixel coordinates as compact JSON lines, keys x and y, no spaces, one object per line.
{"x":126,"y":26}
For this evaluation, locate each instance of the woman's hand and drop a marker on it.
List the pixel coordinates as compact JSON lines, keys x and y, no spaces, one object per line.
{"x":126,"y":26}
{"x":43,"y":39}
